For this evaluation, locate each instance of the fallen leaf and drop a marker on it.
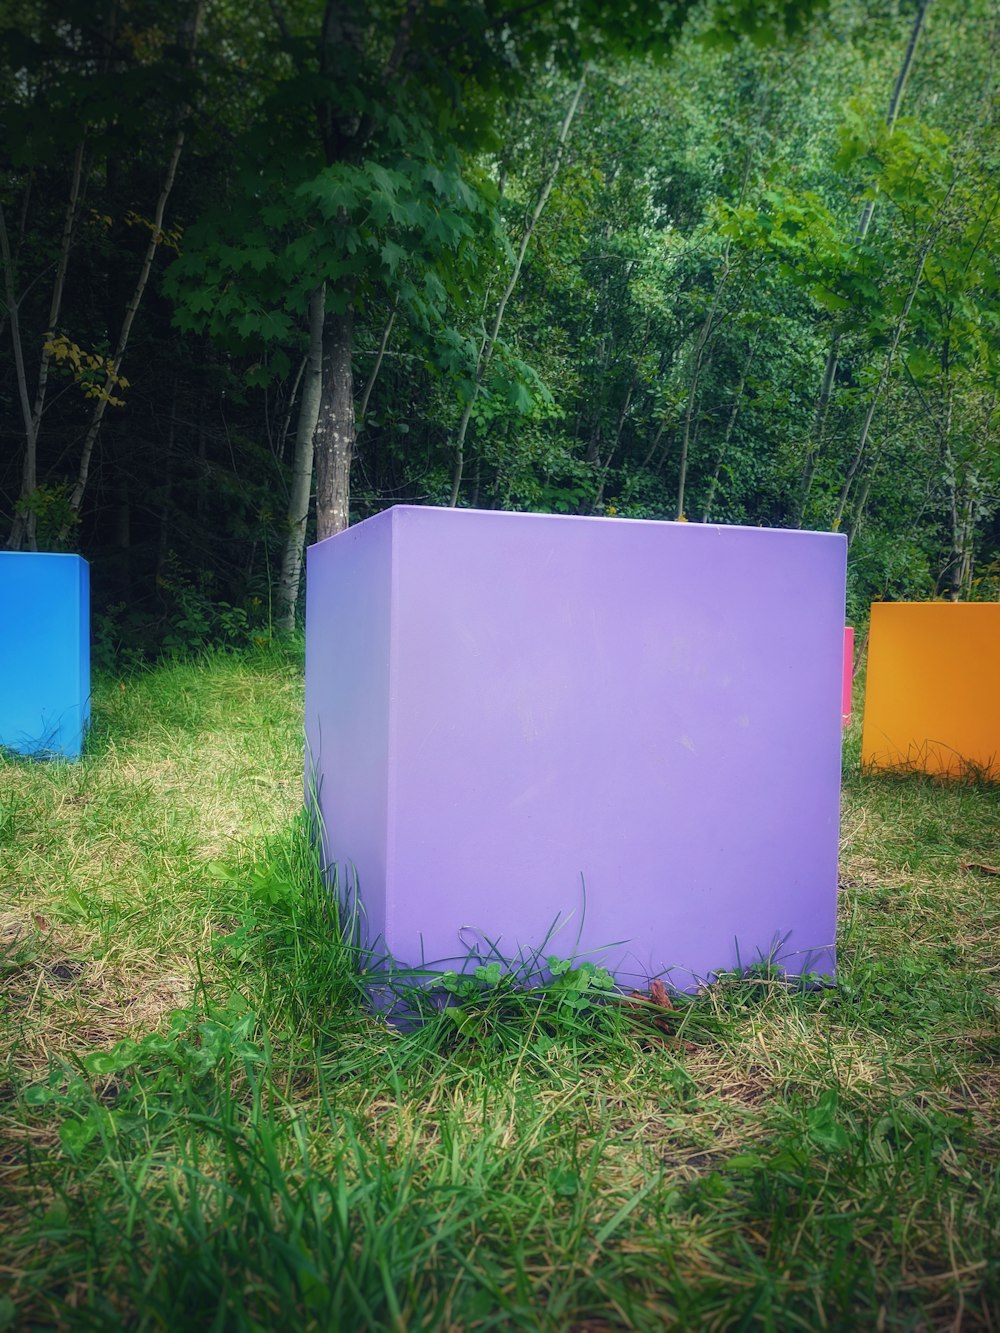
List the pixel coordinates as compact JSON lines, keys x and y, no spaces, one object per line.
{"x":981,"y":868}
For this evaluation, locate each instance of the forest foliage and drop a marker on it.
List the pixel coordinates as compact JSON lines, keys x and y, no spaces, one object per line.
{"x":269,"y":268}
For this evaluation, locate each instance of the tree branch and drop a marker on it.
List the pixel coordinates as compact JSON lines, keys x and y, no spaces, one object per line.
{"x":10,"y":295}
{"x":379,"y":357}
{"x":487,"y":349}
{"x":156,"y":233}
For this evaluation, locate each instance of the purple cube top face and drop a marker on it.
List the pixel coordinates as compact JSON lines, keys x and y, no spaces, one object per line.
{"x":44,"y":653}
{"x":628,"y":731}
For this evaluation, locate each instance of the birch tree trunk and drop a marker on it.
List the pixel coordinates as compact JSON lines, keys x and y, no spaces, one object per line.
{"x":302,"y":465}
{"x":814,"y":446}
{"x":616,"y":437}
{"x":730,"y":424}
{"x":156,"y":233}
{"x":889,"y":359}
{"x":702,"y":344}
{"x":22,"y":535}
{"x":951,"y":580}
{"x":490,"y":341}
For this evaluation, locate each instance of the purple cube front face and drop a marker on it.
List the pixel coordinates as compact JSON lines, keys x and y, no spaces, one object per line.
{"x":625,"y":732}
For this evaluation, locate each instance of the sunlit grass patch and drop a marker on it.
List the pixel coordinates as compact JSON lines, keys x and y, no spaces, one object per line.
{"x":116,"y":845}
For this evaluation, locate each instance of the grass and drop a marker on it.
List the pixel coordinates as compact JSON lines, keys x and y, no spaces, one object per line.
{"x":202,"y":1124}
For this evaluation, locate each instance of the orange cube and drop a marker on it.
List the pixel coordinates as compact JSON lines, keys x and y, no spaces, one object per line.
{"x":932,"y":694}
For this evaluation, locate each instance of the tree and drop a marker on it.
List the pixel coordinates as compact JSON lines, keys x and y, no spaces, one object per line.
{"x":379,"y":101}
{"x":815,"y":443}
{"x":87,"y":67}
{"x":664,"y":317}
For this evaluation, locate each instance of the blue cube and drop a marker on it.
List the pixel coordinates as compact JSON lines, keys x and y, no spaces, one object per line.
{"x":44,"y":653}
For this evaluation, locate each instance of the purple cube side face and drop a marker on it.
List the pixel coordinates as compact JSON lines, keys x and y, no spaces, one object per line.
{"x":348,"y":653}
{"x":597,"y":738}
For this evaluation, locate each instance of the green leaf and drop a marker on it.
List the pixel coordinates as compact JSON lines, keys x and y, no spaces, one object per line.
{"x":331,"y":191}
{"x":827,"y":299}
{"x":259,"y":259}
{"x":73,"y":900}
{"x":565,"y":1184}
{"x":921,"y":364}
{"x":517,"y":394}
{"x":74,"y":1135}
{"x":464,"y":1021}
{"x":39,"y":1094}
{"x":392,"y":256}
{"x":388,"y":182}
{"x":746,"y":1161}
{"x":821,"y":1124}
{"x":99,"y":1063}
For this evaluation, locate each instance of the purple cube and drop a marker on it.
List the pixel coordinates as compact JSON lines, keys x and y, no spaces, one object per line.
{"x":609,"y":739}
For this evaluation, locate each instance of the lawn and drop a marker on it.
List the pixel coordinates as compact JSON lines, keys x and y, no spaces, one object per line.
{"x":202,"y":1125}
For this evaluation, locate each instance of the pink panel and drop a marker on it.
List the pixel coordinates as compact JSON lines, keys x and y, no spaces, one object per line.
{"x":845,"y":707}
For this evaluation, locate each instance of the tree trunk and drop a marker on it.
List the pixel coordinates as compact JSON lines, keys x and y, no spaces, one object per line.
{"x":615,"y":440}
{"x":23,"y":533}
{"x":163,"y":537}
{"x":815,"y":445}
{"x":190,"y":39}
{"x":702,"y":359}
{"x":704,"y":335}
{"x":951,"y":579}
{"x":699,"y":359}
{"x":278,"y":447}
{"x":890,"y":356}
{"x":23,"y":530}
{"x":302,"y":466}
{"x":862,"y":499}
{"x":383,"y":343}
{"x":490,"y":342}
{"x":968,"y":541}
{"x":730,"y":424}
{"x":818,"y":432}
{"x":100,"y":406}
{"x":335,"y":429}
{"x":123,"y":521}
